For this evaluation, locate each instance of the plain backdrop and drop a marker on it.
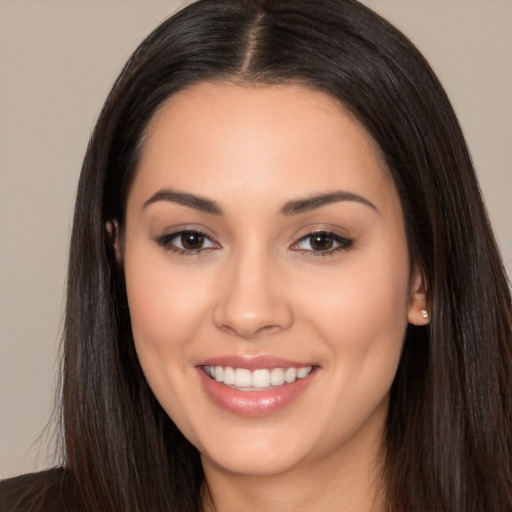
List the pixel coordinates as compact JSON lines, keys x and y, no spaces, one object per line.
{"x":58,"y":59}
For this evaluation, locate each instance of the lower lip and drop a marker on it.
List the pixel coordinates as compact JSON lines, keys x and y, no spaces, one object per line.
{"x":254,"y":403}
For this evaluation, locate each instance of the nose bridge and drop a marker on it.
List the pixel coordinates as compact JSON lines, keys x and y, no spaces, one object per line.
{"x":254,"y":298}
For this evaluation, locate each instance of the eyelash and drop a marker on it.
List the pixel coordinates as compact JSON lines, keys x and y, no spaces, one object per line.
{"x":169,"y":243}
{"x":343,"y":243}
{"x":166,"y":241}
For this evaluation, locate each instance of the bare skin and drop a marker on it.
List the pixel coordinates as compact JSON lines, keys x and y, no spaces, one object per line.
{"x":263,"y":226}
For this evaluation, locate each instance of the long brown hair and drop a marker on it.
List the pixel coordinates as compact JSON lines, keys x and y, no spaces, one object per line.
{"x":449,"y":433}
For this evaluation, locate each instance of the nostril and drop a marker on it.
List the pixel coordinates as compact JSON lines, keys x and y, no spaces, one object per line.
{"x":251,"y":303}
{"x":248,"y":331}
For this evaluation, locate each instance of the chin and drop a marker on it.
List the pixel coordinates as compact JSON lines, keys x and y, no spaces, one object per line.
{"x":264,"y":446}
{"x":263,"y":462}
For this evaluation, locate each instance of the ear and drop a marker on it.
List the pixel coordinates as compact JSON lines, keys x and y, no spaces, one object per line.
{"x":418,"y":312}
{"x":115,"y":238}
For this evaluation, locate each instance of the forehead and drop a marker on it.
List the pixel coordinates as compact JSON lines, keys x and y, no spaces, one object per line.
{"x":215,"y":137}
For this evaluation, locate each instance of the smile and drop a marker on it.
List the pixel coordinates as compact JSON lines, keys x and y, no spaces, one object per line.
{"x":244,"y":379}
{"x":257,"y":391}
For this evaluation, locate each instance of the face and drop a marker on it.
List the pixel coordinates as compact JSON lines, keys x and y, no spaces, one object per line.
{"x":268,"y":276}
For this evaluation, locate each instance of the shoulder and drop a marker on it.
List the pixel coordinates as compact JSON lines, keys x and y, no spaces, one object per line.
{"x":47,"y":491}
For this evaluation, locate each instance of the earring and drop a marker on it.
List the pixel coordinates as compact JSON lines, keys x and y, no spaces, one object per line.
{"x":424,"y":313}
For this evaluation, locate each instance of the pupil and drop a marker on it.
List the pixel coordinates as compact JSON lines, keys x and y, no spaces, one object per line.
{"x":192,"y":241}
{"x":321,"y":242}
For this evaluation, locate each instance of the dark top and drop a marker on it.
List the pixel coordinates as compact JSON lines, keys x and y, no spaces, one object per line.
{"x":47,"y":491}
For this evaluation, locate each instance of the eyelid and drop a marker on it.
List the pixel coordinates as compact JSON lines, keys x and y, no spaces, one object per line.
{"x":166,"y":241}
{"x":343,"y":243}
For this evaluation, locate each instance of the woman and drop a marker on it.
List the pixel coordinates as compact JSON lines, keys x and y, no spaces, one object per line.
{"x":283,"y":289}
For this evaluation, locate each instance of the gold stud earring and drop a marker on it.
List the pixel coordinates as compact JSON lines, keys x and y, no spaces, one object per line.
{"x":424,"y":313}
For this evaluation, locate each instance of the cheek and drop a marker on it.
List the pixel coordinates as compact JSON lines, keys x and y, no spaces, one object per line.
{"x":362,"y":318}
{"x":166,"y":310}
{"x":362,"y":315}
{"x":366,"y":300}
{"x":165,"y":306}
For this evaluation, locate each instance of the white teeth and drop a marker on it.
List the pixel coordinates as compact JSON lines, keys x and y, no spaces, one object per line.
{"x":229,"y":376}
{"x":248,"y":380}
{"x":301,"y":372}
{"x":260,"y":379}
{"x":243,"y":378}
{"x":277,"y":377}
{"x":290,"y":374}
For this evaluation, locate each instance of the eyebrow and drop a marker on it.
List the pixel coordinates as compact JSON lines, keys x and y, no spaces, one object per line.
{"x":192,"y":201}
{"x":312,"y":203}
{"x":290,"y":208}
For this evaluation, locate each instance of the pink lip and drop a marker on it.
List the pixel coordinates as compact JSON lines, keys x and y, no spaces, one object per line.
{"x":254,"y":362}
{"x":254,"y":403}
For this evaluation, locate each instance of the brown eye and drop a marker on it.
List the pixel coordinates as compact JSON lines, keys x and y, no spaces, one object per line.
{"x":187,"y":242}
{"x":192,"y":240}
{"x":321,"y":242}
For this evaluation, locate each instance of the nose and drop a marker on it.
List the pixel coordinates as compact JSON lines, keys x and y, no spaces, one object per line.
{"x":253,"y":301}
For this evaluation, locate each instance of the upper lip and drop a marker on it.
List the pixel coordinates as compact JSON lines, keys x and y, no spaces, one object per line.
{"x":254,"y":362}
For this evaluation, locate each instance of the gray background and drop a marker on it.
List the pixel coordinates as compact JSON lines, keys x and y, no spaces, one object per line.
{"x":58,"y":59}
